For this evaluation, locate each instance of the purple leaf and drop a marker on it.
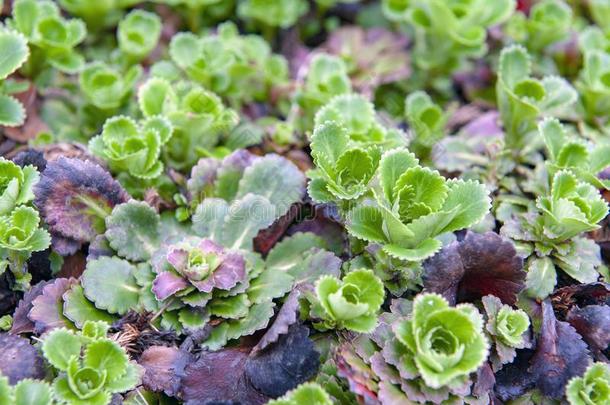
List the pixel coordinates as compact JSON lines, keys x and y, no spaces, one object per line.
{"x":19,"y":359}
{"x":8,"y":297}
{"x":167,"y":284}
{"x":593,"y":324}
{"x":287,"y":316}
{"x":515,"y":379}
{"x":479,"y":265}
{"x":560,"y":355}
{"x":73,"y":196}
{"x":163,"y":368}
{"x":177,"y":257}
{"x":47,"y":308}
{"x":21,"y":322}
{"x":219,"y":376}
{"x":285,"y":364}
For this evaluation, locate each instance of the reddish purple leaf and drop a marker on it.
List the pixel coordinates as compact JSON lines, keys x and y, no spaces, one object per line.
{"x":70,"y":195}
{"x":479,"y":265}
{"x":47,"y":308}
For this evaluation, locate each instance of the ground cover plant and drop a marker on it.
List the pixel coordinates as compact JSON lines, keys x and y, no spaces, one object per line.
{"x":304,"y":202}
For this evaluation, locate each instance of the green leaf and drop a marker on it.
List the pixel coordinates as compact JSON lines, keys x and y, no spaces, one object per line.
{"x":110,"y":283}
{"x":79,"y":309}
{"x":13,"y":52}
{"x":157,"y":97}
{"x":209,"y":218}
{"x":245,"y":219}
{"x":289,"y":251}
{"x":366,"y":223}
{"x":230,"y":307}
{"x":106,"y":355}
{"x":274,"y":178}
{"x":12,"y":113}
{"x":392,"y":165}
{"x":31,"y":392}
{"x":471,"y":200}
{"x":515,"y":65}
{"x":308,"y":393}
{"x":127,"y":381}
{"x":328,"y":142}
{"x":133,"y":230}
{"x":351,"y":111}
{"x":554,"y":136}
{"x":269,"y":285}
{"x":60,"y":346}
{"x":541,"y":277}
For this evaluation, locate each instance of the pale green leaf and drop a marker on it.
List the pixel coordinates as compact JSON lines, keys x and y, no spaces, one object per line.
{"x":110,"y":283}
{"x":133,"y":230}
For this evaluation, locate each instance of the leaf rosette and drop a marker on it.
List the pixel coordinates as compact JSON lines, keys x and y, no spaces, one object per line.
{"x":414,"y":206}
{"x":198,"y":116}
{"x":593,"y":388}
{"x":107,"y":88}
{"x":585,"y":160}
{"x":201,"y":267}
{"x":448,"y":32}
{"x":133,"y":147}
{"x":91,"y":366}
{"x":239,"y":68}
{"x":20,"y":231}
{"x":52,"y":38}
{"x":16,"y":185}
{"x":522,"y":99}
{"x":444,"y":344}
{"x":508,"y":328}
{"x":138,"y":33}
{"x":351,"y":303}
{"x":344,"y":168}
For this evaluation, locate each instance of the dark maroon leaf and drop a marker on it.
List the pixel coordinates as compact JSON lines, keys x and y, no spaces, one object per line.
{"x":47,"y":308}
{"x":219,"y":376}
{"x":164,"y":368}
{"x":287,"y":316}
{"x":515,"y":379}
{"x":284,"y":365}
{"x":19,"y":359}
{"x":8,"y":297}
{"x":560,"y":355}
{"x":593,"y":324}
{"x":73,"y":195}
{"x":267,"y":238}
{"x":39,"y":266}
{"x":479,"y":265}
{"x":21,"y":322}
{"x":31,"y":157}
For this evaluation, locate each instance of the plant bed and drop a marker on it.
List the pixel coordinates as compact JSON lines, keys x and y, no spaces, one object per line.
{"x":304,"y":202}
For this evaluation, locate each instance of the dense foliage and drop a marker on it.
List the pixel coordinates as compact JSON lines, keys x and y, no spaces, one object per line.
{"x":304,"y":202}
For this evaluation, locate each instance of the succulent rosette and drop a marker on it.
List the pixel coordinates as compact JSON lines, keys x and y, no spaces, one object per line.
{"x":351,"y":303}
{"x":443,"y":344}
{"x":15,"y":185}
{"x":414,"y":206}
{"x":202,"y":266}
{"x":508,"y":329}
{"x":593,"y":388}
